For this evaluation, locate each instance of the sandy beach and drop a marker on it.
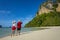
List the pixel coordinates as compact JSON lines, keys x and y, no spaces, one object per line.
{"x":52,"y":33}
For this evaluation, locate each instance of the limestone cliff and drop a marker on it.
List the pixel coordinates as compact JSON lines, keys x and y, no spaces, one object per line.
{"x":48,"y":7}
{"x":48,"y":15}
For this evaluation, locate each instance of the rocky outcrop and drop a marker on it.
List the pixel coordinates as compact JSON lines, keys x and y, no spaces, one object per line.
{"x":48,"y":7}
{"x":58,"y":8}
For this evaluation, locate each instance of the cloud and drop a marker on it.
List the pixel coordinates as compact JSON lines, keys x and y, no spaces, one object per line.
{"x":27,"y":19}
{"x":7,"y":23}
{"x":4,"y":12}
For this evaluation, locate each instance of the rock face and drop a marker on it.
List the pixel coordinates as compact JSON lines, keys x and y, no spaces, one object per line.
{"x":47,"y":15}
{"x":44,"y":10}
{"x":48,"y":7}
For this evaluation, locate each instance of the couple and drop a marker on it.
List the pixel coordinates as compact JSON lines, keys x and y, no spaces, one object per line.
{"x":14,"y":27}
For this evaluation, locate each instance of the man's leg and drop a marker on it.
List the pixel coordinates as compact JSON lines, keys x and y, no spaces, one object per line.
{"x":18,"y":32}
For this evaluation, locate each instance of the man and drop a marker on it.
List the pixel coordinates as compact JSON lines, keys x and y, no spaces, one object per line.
{"x":19,"y":26}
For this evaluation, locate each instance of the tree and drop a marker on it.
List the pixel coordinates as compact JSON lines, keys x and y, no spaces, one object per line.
{"x":58,"y":1}
{"x":55,"y":6}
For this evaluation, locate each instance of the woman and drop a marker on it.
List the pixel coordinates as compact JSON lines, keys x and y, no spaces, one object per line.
{"x":13,"y":28}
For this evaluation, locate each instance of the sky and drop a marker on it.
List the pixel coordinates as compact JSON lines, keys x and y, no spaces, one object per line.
{"x":24,"y":10}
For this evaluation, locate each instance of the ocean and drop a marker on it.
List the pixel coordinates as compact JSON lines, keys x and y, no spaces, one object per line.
{"x":7,"y":31}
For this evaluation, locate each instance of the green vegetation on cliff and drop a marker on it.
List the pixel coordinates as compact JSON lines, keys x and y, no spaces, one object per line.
{"x":46,"y":19}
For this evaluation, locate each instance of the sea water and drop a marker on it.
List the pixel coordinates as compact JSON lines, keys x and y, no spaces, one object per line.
{"x":7,"y":31}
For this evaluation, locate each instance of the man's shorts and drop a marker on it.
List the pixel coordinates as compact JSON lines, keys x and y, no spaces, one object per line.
{"x":18,"y":28}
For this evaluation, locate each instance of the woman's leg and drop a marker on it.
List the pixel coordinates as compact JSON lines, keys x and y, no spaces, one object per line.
{"x":13,"y":33}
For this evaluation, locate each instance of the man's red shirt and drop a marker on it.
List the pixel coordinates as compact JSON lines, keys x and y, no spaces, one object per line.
{"x":19,"y":24}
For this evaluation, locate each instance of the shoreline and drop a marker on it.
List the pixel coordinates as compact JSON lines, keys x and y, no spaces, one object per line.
{"x":48,"y":34}
{"x":7,"y":32}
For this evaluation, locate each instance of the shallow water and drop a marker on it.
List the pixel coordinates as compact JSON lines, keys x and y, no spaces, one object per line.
{"x":7,"y":31}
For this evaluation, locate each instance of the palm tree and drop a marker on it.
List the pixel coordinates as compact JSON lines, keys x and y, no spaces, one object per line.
{"x":58,"y":1}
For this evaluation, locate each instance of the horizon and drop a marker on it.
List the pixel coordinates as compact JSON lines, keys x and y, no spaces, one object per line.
{"x":24,"y":10}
